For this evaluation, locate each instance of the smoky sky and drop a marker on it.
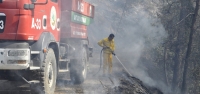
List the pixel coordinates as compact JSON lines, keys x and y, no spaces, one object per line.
{"x":131,"y":22}
{"x":137,"y":28}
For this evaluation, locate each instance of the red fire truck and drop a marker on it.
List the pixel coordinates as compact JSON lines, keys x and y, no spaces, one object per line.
{"x":40,"y":38}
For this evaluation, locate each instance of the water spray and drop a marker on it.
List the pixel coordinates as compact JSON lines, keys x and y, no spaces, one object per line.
{"x":123,"y":65}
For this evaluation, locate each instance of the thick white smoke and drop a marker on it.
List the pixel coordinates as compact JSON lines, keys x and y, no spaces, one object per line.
{"x":137,"y":28}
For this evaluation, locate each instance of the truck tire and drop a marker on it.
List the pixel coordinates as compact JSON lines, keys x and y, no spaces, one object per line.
{"x":48,"y":75}
{"x":78,"y":68}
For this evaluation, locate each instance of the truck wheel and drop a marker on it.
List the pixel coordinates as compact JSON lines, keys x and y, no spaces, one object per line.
{"x":78,"y":70}
{"x":48,"y":75}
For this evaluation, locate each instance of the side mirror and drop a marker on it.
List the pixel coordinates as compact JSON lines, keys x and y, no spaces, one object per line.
{"x":29,"y":6}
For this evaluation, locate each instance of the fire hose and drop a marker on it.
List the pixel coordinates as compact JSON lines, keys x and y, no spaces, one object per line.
{"x":100,"y":62}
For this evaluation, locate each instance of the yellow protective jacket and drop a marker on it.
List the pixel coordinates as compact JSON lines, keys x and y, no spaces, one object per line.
{"x":106,"y":43}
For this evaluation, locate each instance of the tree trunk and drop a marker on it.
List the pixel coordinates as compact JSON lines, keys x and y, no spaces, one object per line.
{"x":189,"y":47}
{"x":183,"y":25}
{"x":165,"y":69}
{"x":176,"y":70}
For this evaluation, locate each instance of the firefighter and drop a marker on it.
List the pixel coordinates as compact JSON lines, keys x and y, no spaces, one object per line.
{"x":108,"y":50}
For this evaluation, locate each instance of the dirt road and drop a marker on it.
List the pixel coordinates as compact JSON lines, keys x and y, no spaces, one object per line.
{"x":118,"y":83}
{"x":94,"y":84}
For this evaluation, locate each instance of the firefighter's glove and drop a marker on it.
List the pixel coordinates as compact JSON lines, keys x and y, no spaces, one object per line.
{"x":113,"y":53}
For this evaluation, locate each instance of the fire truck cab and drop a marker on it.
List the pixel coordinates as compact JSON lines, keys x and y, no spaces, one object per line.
{"x":41,"y":38}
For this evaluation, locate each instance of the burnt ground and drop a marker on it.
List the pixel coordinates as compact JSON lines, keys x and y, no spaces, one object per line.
{"x":117,"y":83}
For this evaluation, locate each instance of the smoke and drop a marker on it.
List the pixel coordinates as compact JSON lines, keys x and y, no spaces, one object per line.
{"x":137,"y":30}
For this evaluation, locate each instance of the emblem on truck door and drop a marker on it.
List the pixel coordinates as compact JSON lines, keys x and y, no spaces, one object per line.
{"x":53,"y":18}
{"x":2,"y":22}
